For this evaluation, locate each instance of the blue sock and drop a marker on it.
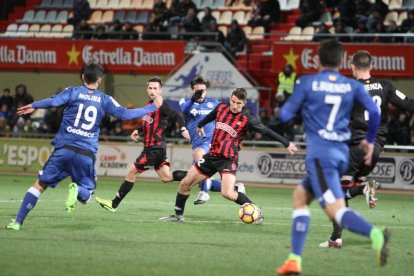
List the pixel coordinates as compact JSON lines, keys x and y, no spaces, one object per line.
{"x":205,"y":185}
{"x":29,"y":202}
{"x":352,"y":221}
{"x":215,"y":185}
{"x":300,"y":227}
{"x":83,"y":194}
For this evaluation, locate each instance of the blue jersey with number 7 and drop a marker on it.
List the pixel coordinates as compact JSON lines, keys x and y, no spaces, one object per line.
{"x":326,"y":100}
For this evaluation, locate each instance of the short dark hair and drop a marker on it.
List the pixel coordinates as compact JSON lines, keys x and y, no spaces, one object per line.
{"x":240,"y":93}
{"x":330,"y":53}
{"x":362,"y":60}
{"x":91,"y":72}
{"x":155,"y":79}
{"x":199,"y":80}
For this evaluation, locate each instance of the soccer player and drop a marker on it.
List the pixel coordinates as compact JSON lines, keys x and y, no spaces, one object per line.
{"x":76,"y":142}
{"x":154,"y":153}
{"x":382,"y":92}
{"x":326,"y":100}
{"x":194,"y":110}
{"x":232,"y":123}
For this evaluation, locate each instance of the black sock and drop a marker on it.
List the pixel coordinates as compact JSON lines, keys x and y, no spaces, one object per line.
{"x":180,"y":204}
{"x":178,"y":175}
{"x":357,"y":190}
{"x":337,"y":232}
{"x":242,"y":199}
{"x":122,"y":192}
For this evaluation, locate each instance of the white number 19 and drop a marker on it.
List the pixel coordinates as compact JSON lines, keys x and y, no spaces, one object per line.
{"x":90,"y":116}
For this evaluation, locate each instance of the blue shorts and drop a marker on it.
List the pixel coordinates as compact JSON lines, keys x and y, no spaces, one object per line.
{"x":204,"y":145}
{"x":323,"y":179}
{"x":63,"y":163}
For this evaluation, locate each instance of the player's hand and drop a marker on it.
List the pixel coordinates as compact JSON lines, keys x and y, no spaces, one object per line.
{"x":27,"y":109}
{"x":292,"y":148}
{"x":134,"y":135}
{"x":197,"y":95}
{"x":158,"y":101}
{"x":368,"y":148}
{"x":186,"y":135}
{"x":201,"y":132}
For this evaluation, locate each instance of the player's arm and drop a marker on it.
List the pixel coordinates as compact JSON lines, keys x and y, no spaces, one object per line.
{"x":399,"y":99}
{"x":166,"y":109}
{"x":209,"y":118}
{"x":293,"y":104}
{"x":56,"y":100}
{"x":258,"y":126}
{"x":116,"y":110}
{"x":185,"y":106}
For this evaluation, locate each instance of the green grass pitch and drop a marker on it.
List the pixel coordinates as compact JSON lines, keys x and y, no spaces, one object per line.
{"x":213,"y":241}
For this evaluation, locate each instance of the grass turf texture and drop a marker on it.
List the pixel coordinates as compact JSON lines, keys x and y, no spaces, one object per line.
{"x":213,"y":241}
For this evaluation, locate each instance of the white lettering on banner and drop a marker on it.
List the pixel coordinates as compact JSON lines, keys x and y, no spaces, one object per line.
{"x":219,"y":78}
{"x":226,"y":128}
{"x":6,"y":55}
{"x":274,"y":165}
{"x":120,"y":56}
{"x":385,"y":170}
{"x":310,"y":60}
{"x":406,"y":171}
{"x":25,"y":55}
{"x":25,"y":155}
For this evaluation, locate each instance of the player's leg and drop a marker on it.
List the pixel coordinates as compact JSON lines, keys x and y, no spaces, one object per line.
{"x":166,"y":175}
{"x":192,"y":178}
{"x":299,"y":231}
{"x":205,"y":185}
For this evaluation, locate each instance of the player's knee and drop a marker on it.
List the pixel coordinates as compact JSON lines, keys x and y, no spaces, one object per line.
{"x":166,"y":179}
{"x":227,"y":194}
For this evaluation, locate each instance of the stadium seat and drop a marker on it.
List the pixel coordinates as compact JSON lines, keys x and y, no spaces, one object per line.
{"x":27,"y":17}
{"x":224,"y":29}
{"x":124,"y":4}
{"x":45,"y":4}
{"x":294,"y":34}
{"x":56,"y":31}
{"x":67,"y":31}
{"x":22,"y":30}
{"x":147,"y":4}
{"x":33,"y":30}
{"x":142,"y":17}
{"x":107,"y":17}
{"x":39,"y":17}
{"x":102,"y":4}
{"x":57,"y":4}
{"x":92,"y":4}
{"x":395,"y":4}
{"x":206,"y":3}
{"x":257,"y":33}
{"x":307,"y":33}
{"x":200,"y":15}
{"x":113,"y":4}
{"x":292,"y":4}
{"x":95,"y":17}
{"x":401,"y":17}
{"x":131,"y":17}
{"x":217,"y":4}
{"x":282,"y":4}
{"x":198,"y":4}
{"x":136,"y":4}
{"x":239,"y":5}
{"x":62,"y":17}
{"x":225,"y":18}
{"x":391,"y":16}
{"x":67,"y":4}
{"x":51,"y":16}
{"x":119,"y":15}
{"x":44,"y":31}
{"x":247,"y":30}
{"x":216,"y":15}
{"x":11,"y":30}
{"x":240,"y":17}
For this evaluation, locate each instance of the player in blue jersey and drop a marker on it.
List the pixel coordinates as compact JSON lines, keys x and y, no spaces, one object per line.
{"x":195,"y":110}
{"x":76,"y":142}
{"x":326,"y":100}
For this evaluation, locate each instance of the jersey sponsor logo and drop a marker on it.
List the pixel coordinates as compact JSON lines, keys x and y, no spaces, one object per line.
{"x":373,"y":86}
{"x":226,"y":128}
{"x":196,"y":112}
{"x":80,"y":132}
{"x":334,"y":136}
{"x":331,"y":87}
{"x":148,"y":119}
{"x":93,"y":98}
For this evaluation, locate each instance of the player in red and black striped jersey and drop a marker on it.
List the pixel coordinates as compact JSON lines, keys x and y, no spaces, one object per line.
{"x":383,"y":92}
{"x":232,"y":122}
{"x":154,"y":153}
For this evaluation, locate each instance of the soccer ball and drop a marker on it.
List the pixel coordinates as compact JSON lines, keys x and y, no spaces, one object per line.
{"x":249,"y":213}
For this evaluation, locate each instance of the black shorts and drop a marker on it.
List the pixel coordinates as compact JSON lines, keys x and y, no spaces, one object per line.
{"x":357,"y":168}
{"x":151,"y":157}
{"x":211,"y":164}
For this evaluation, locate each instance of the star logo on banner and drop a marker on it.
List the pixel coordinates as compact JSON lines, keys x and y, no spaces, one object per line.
{"x":73,"y":55}
{"x":291,"y":58}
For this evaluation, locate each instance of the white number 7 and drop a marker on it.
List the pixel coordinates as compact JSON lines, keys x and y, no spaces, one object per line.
{"x":336,"y":102}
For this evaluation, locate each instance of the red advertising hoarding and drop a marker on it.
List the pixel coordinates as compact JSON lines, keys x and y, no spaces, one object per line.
{"x":69,"y":55}
{"x":389,"y":60}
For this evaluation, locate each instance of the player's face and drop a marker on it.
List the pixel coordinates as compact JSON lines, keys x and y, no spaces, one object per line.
{"x":200,"y":87}
{"x":153,"y":90}
{"x":236,"y":105}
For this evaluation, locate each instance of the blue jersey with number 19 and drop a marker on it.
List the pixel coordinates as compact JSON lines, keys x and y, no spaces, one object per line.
{"x":83,"y":115}
{"x":326,"y":100}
